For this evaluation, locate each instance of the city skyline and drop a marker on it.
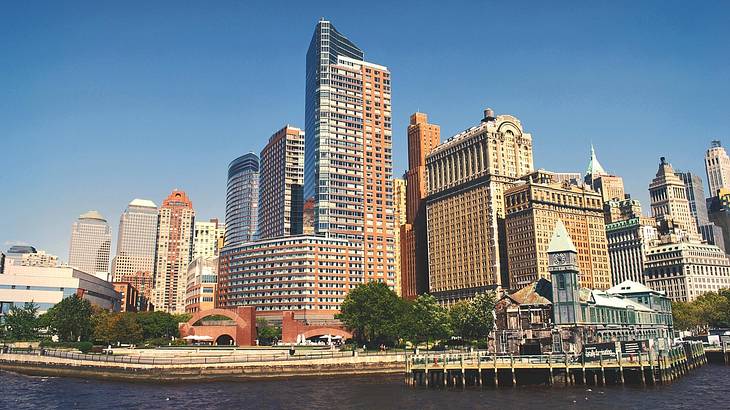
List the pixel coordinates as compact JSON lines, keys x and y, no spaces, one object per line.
{"x":684,"y":129}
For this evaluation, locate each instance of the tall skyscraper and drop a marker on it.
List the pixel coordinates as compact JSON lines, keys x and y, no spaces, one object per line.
{"x":134,"y":261}
{"x":242,"y":199}
{"x":609,"y":186}
{"x":348,"y":148}
{"x":399,"y":212}
{"x":281,"y":197}
{"x":669,"y":203}
{"x":533,"y":208}
{"x":208,"y":238}
{"x":422,"y":138}
{"x":467,"y":177}
{"x":717,"y":165}
{"x":91,"y":240}
{"x":174,"y":252}
{"x":698,"y":207}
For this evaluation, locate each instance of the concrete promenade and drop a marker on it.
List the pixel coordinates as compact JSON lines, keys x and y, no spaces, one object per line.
{"x":205,"y":367}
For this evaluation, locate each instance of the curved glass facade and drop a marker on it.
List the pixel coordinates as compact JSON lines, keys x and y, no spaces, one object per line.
{"x":242,"y":200}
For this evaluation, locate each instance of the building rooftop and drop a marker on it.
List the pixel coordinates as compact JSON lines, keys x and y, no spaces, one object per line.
{"x":143,"y":203}
{"x":629,"y":286}
{"x":594,"y":167}
{"x":561,"y":241}
{"x":95,"y":215}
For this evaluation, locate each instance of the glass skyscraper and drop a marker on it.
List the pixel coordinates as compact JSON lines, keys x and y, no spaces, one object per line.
{"x":348,"y":148}
{"x":242,"y":200}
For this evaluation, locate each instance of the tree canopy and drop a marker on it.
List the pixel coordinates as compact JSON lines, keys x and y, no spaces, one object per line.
{"x":374,"y":313}
{"x":709,"y":310}
{"x":474,"y":319}
{"x":22,"y":322}
{"x":426,"y":320}
{"x":70,"y":319}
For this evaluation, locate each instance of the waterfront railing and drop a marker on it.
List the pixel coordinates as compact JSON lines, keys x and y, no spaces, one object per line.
{"x":207,"y":359}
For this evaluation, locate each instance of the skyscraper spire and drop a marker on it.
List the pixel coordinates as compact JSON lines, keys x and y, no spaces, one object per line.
{"x":594,"y":167}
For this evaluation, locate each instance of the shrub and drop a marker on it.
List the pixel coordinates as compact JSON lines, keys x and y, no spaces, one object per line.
{"x":84,"y":347}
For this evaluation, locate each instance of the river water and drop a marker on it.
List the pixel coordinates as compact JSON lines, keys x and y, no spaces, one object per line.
{"x":707,"y":387}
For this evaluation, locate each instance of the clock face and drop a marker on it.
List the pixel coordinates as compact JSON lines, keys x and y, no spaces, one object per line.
{"x":559,"y":259}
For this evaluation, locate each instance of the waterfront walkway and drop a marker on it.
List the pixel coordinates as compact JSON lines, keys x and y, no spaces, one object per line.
{"x":199,"y":365}
{"x":483,"y":368}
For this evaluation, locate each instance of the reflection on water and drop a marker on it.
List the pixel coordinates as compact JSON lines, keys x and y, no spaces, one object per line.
{"x":707,"y":386}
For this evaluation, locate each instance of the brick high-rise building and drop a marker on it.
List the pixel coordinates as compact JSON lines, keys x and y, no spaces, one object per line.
{"x":399,"y":213}
{"x":348,"y":149}
{"x":281,"y":199}
{"x":717,"y":166}
{"x":422,"y":138}
{"x":174,"y":251}
{"x":533,"y":209}
{"x":91,"y":241}
{"x":467,"y":177}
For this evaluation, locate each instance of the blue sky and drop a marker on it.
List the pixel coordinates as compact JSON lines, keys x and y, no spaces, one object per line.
{"x":102,"y":102}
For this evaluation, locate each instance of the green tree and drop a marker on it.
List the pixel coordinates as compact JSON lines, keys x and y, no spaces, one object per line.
{"x":103,"y":323}
{"x":426,"y":320}
{"x":157,"y":325}
{"x":685,"y":316}
{"x":473,"y":320}
{"x":70,"y":319}
{"x":266,"y":332}
{"x":22,"y":322}
{"x":374,"y":313}
{"x":126,"y":329}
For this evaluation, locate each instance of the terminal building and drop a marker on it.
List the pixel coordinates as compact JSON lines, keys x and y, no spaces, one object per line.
{"x":46,"y":286}
{"x":561,"y":316}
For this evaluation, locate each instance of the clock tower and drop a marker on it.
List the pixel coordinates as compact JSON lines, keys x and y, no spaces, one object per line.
{"x":563,"y":268}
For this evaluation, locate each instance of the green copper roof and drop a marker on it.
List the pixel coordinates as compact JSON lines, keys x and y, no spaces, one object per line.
{"x":594,"y":167}
{"x":561,"y":241}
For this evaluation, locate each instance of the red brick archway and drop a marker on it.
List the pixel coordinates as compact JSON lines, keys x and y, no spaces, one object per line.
{"x":292,"y":329}
{"x":243,"y":332}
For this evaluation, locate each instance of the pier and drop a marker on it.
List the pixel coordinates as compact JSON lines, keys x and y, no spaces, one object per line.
{"x":434,"y":370}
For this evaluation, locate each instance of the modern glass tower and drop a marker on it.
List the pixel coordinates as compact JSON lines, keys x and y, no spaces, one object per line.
{"x":348,"y":149}
{"x":242,"y":200}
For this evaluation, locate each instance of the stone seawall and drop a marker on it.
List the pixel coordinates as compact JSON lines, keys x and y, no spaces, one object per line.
{"x":51,"y":366}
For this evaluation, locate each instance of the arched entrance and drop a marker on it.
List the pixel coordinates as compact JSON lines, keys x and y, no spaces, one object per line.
{"x":294,"y":331}
{"x":224,"y":340}
{"x":240,"y":330}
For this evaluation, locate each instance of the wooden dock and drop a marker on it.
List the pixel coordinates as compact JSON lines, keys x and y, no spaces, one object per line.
{"x":488,"y":369}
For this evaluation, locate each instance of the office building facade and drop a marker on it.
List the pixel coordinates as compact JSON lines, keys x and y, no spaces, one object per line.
{"x":717,"y":166}
{"x":91,"y":241}
{"x":134,"y":261}
{"x":208,"y":238}
{"x":399,"y":213}
{"x":467,"y":177}
{"x":299,"y":273}
{"x":422,"y":138}
{"x":242,"y":200}
{"x":348,"y":149}
{"x":533,"y":208}
{"x":281,"y":196}
{"x":202,"y":284}
{"x":669,"y":203}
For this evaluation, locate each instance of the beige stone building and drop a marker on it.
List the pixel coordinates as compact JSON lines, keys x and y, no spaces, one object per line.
{"x":669,"y":203}
{"x":533,"y":208}
{"x":685,"y":270}
{"x":467,"y":177}
{"x":717,"y":165}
